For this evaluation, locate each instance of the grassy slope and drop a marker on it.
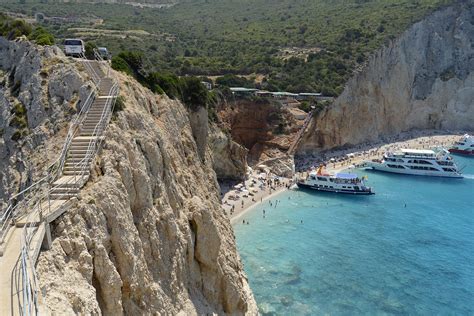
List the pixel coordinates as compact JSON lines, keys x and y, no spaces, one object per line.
{"x":244,"y":36}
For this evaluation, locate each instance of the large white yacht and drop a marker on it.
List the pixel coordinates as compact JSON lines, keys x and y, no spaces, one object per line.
{"x":346,"y":183}
{"x":418,"y":162}
{"x":465,"y":146}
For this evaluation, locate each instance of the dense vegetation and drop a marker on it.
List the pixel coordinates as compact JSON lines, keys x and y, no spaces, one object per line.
{"x":13,"y":28}
{"x":294,"y":45}
{"x":188,"y":89}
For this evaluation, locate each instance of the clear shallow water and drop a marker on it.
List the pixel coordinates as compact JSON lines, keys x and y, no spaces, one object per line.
{"x":365,"y":255}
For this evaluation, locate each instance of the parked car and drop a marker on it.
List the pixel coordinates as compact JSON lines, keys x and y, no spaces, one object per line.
{"x":104,"y":53}
{"x":74,"y":47}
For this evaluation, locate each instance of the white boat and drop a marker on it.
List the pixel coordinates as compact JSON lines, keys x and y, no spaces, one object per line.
{"x":417,"y":162}
{"x":346,"y":183}
{"x":465,"y":146}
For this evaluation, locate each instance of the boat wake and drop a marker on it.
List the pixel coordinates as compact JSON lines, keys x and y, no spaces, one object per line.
{"x":469,"y":176}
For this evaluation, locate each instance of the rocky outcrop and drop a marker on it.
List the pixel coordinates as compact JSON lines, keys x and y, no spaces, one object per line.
{"x":39,"y":92}
{"x":283,"y":166}
{"x":423,"y":80}
{"x":147,"y":234}
{"x":263,"y":127}
{"x":229,"y":159}
{"x":200,"y":127}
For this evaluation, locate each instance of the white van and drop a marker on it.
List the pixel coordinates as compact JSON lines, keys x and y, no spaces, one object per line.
{"x":74,"y":47}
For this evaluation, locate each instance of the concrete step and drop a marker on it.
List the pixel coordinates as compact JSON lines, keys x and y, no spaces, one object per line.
{"x":66,"y":182}
{"x":62,"y":196}
{"x":70,"y":164}
{"x":70,"y":173}
{"x":79,"y":146}
{"x":78,"y":150}
{"x":91,"y":127}
{"x":94,"y":116}
{"x":76,"y":157}
{"x":96,"y":110}
{"x":82,"y":139}
{"x":91,"y":123}
{"x":64,"y":191}
{"x":88,"y":134}
{"x":78,"y":160}
{"x":73,"y":169}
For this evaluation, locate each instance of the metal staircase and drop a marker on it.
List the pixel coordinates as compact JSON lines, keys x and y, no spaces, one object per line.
{"x":24,"y":225}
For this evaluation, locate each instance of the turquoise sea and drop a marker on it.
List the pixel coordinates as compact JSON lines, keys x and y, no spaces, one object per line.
{"x":326,"y":254}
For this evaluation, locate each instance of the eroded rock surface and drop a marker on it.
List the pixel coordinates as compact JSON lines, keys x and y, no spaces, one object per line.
{"x":147,"y":234}
{"x":40,"y":91}
{"x":423,"y":80}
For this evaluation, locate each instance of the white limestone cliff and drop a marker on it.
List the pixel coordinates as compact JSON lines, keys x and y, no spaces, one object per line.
{"x":47,"y":88}
{"x":147,"y":234}
{"x":423,"y":80}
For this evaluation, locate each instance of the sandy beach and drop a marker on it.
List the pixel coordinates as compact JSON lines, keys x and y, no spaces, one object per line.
{"x":413,"y":140}
{"x":236,"y":209}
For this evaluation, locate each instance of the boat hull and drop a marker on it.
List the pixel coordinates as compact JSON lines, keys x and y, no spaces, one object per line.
{"x":462,"y":152}
{"x":302,"y":185}
{"x":379,"y":167}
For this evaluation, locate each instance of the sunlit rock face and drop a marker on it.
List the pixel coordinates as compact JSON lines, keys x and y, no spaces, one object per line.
{"x":147,"y":234}
{"x":423,"y":80}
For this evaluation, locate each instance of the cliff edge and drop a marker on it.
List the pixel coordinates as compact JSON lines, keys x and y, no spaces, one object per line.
{"x":423,"y":80}
{"x":147,"y":234}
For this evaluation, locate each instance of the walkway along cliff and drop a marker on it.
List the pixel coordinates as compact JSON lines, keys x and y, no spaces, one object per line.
{"x":144,"y":231}
{"x":26,"y":223}
{"x":422,"y":80}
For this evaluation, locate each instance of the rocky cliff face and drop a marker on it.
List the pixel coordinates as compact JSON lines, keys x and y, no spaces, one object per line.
{"x":229,"y":159}
{"x":423,"y":80}
{"x":39,"y":92}
{"x":147,"y":234}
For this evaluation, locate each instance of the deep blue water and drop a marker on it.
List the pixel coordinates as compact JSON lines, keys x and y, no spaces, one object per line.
{"x":372,"y":255}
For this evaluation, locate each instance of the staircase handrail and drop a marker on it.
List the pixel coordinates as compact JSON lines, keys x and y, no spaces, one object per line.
{"x":29,"y":284}
{"x":95,"y":77}
{"x":73,"y":131}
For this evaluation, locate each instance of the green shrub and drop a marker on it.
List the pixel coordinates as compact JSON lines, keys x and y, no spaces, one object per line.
{"x":19,"y":120}
{"x":165,"y":83}
{"x":195,"y":94}
{"x":231,"y":80}
{"x":133,"y":59}
{"x":305,"y":106}
{"x":42,"y":36}
{"x":12,"y":29}
{"x":89,"y":47}
{"x":119,"y":64}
